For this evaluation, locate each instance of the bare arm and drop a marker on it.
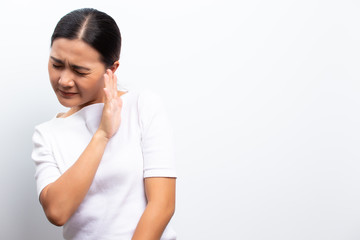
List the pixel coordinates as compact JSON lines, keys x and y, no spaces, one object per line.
{"x":160,"y":193}
{"x":61,"y":198}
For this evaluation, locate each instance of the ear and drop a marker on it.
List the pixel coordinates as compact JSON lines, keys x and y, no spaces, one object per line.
{"x":115,"y":66}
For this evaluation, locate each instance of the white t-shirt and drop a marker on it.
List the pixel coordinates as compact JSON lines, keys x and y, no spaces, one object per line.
{"x":141,"y":148}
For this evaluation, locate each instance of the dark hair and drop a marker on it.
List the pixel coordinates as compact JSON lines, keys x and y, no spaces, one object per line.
{"x":96,"y":28}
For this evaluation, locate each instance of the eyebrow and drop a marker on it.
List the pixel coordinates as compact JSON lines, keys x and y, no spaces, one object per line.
{"x":72,"y":65}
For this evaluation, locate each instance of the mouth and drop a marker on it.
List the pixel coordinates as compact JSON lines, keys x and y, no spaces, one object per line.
{"x":66,"y":94}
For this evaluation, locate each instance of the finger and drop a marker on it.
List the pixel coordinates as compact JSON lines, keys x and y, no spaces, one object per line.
{"x":120,"y":102}
{"x":106,"y":80}
{"x":111,"y":77}
{"x":107,"y":95}
{"x":115,"y":85}
{"x":107,"y":86}
{"x":112,"y":82}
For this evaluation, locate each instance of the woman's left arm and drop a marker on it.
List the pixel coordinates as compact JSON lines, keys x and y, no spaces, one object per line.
{"x":160,"y":194}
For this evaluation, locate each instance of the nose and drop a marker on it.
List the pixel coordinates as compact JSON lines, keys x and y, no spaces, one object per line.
{"x":66,"y":79}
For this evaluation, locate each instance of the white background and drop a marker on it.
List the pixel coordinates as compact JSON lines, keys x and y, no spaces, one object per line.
{"x":263,"y":95}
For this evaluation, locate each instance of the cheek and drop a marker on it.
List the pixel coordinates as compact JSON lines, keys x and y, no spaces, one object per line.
{"x":94,"y":84}
{"x":100,"y":82}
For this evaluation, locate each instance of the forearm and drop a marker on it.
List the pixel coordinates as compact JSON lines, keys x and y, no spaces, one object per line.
{"x":153,"y":221}
{"x":61,"y":198}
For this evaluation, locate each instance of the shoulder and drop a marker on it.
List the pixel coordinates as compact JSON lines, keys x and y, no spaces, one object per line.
{"x":143,"y":99}
{"x":44,"y":125}
{"x":41,"y":134}
{"x":149,"y":98}
{"x":44,"y":129}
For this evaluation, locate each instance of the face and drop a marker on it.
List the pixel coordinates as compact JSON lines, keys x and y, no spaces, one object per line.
{"x":76,"y":73}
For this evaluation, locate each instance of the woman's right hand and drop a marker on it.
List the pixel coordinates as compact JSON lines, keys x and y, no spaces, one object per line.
{"x":111,"y":116}
{"x":61,"y":198}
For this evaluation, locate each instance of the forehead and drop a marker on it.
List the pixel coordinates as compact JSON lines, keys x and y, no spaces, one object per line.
{"x":74,"y":51}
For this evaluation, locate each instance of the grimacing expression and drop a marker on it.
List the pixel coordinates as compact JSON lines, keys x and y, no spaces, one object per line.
{"x":76,"y":73}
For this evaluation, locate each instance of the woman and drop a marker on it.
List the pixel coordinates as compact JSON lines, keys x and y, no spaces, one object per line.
{"x":105,"y":168}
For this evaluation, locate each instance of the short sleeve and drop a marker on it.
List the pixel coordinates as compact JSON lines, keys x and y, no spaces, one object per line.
{"x":156,"y":136}
{"x":46,"y":169}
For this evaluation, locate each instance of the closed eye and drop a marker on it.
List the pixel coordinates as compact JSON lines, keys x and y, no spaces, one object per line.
{"x":80,"y":73}
{"x":77,"y":72}
{"x":56,"y":66}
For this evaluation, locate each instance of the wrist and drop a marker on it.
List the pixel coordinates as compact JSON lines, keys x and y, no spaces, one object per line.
{"x":101,"y":135}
